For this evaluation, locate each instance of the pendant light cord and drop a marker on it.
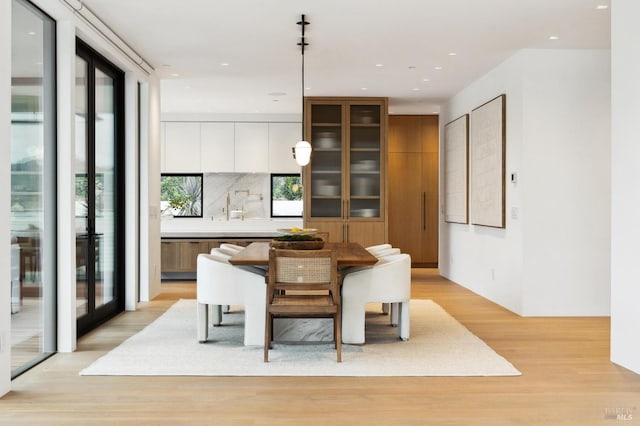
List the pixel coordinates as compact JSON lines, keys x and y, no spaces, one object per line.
{"x":303,"y":81}
{"x":302,"y":44}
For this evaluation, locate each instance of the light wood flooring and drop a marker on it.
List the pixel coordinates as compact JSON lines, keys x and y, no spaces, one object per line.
{"x":567,"y":380}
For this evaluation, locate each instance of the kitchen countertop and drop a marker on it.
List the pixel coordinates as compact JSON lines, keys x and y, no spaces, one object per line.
{"x":221,"y":228}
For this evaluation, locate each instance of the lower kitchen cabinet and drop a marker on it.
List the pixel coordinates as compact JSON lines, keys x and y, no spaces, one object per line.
{"x":180,"y":256}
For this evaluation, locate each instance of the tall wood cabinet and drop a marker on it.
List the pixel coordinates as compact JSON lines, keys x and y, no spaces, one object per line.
{"x":345,"y":182}
{"x":413,"y":186}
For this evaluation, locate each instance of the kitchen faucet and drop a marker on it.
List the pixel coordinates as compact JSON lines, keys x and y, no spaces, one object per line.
{"x":228,"y":204}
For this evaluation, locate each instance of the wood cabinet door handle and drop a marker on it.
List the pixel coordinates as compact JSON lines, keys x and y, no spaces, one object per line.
{"x":424,"y":211}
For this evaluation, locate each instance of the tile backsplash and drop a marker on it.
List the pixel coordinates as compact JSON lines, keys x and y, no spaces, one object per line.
{"x":249,"y":192}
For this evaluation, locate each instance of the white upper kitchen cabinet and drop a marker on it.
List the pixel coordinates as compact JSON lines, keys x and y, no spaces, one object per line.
{"x":251,"y":147}
{"x":182,"y":147}
{"x":217,"y":147}
{"x":282,"y":138}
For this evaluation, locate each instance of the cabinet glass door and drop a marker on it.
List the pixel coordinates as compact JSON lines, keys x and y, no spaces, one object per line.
{"x":326,"y":164}
{"x":364,"y":161}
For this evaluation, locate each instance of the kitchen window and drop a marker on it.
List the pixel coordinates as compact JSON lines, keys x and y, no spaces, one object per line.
{"x":181,"y":194}
{"x":286,"y":195}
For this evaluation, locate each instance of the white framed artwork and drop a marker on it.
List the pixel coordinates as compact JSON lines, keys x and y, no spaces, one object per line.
{"x":487,"y":163}
{"x":456,"y":165}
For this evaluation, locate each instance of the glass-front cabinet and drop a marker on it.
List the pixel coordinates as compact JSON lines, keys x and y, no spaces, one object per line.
{"x":346,"y":176}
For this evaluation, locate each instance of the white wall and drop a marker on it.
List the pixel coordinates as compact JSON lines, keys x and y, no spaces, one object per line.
{"x":66,"y":186}
{"x":552,"y":258}
{"x":625,"y":194}
{"x":150,"y":192}
{"x":566,"y":183}
{"x":5,"y":191}
{"x":486,"y":260}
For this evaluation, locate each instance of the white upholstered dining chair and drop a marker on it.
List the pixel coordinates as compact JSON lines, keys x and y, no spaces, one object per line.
{"x":219,"y":283}
{"x":388,"y":281}
{"x":380,"y":251}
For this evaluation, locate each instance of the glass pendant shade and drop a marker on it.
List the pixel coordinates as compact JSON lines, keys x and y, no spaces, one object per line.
{"x":302,"y":153}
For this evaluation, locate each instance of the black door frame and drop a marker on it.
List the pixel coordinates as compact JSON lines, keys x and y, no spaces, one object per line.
{"x":95,"y":317}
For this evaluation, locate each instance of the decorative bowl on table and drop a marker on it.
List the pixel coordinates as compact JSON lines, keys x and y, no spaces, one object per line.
{"x":298,"y":239}
{"x":297,"y":231}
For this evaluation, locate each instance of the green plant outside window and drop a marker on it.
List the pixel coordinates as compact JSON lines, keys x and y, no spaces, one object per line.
{"x":181,"y":194}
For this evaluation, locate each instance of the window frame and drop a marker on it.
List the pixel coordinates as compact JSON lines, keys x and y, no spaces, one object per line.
{"x":281,"y":175}
{"x":200,"y":176}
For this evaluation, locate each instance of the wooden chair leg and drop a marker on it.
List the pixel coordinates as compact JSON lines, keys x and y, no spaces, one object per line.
{"x":267,"y":336}
{"x":271,"y":321}
{"x":338,"y":335}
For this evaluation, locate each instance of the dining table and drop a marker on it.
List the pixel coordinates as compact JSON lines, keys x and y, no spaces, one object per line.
{"x":347,"y":254}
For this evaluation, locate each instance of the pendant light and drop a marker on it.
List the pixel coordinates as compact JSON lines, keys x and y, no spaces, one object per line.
{"x":302,"y":150}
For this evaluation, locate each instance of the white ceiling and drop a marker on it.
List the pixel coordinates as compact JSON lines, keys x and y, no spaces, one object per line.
{"x":258,"y":40}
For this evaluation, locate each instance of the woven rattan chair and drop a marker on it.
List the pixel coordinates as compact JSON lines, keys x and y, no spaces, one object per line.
{"x":303,"y":284}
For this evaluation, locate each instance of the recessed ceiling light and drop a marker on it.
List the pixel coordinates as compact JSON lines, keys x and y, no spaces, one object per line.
{"x":363,"y":88}
{"x":307,"y":88}
{"x":452,"y":53}
{"x":175,"y":74}
{"x":425,"y":79}
{"x":415,"y":89}
{"x":437,"y":68}
{"x":554,"y":37}
{"x":224,"y":64}
{"x":602,"y":7}
{"x":31,"y":33}
{"x":379,"y":65}
{"x":412,"y":67}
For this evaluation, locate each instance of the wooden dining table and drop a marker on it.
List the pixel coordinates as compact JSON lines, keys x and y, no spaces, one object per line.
{"x":347,"y":254}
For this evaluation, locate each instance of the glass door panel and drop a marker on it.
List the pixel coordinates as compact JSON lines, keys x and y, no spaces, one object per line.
{"x":104,"y":188}
{"x":365,"y":158}
{"x":82,"y":189}
{"x":33,"y":187}
{"x":326,"y":162}
{"x":100,"y":285}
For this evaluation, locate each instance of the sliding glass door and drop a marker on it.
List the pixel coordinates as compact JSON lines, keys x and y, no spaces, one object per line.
{"x":33,"y":187}
{"x":99,"y":189}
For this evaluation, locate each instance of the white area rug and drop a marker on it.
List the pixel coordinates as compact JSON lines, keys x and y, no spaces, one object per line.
{"x":439,"y":346}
